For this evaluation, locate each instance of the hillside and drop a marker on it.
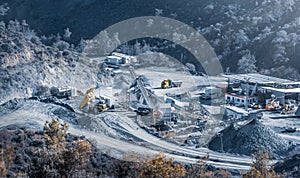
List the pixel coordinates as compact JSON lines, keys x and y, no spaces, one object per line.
{"x":46,"y":45}
{"x":266,"y":30}
{"x":30,"y":65}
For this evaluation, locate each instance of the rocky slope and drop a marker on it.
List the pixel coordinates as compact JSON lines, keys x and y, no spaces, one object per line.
{"x":30,"y":65}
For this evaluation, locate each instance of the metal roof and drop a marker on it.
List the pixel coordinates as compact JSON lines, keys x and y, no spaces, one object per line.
{"x":114,"y":57}
{"x":237,"y":109}
{"x":261,"y":79}
{"x":239,"y":96}
{"x":282,"y":90}
{"x":119,"y":54}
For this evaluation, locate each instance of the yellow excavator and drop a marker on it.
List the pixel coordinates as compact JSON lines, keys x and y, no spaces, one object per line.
{"x":170,"y":84}
{"x":165,"y":84}
{"x":89,"y":97}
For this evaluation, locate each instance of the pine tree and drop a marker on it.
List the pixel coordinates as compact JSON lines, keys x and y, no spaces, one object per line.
{"x":57,"y":160}
{"x":55,"y":134}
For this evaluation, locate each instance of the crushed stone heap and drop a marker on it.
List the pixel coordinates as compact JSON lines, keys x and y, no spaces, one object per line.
{"x":248,"y":139}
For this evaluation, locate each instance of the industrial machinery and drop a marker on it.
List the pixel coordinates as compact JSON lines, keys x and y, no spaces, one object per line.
{"x":146,"y":105}
{"x":288,"y":108}
{"x":102,"y":106}
{"x":89,"y":97}
{"x":273,"y":104}
{"x":63,"y":92}
{"x":170,"y":84}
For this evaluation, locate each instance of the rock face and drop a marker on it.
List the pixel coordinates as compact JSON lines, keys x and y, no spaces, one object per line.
{"x":248,"y":139}
{"x":29,"y":66}
{"x":26,"y":63}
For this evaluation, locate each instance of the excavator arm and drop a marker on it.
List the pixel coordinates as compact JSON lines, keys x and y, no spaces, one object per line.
{"x":88,"y":96}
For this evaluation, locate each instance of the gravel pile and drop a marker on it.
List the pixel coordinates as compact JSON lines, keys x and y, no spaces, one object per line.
{"x":248,"y":139}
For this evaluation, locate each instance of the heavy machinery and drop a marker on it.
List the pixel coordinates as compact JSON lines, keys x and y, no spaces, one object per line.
{"x":89,"y":98}
{"x":102,"y":106}
{"x":273,"y":104}
{"x":288,"y":108}
{"x":170,"y":84}
{"x":145,"y":107}
{"x":63,"y":92}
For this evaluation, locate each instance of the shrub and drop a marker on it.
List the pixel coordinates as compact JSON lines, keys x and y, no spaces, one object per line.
{"x":58,"y":159}
{"x":55,"y":134}
{"x":6,"y":159}
{"x":201,"y":170}
{"x":260,"y":168}
{"x":62,"y":45}
{"x":160,"y":166}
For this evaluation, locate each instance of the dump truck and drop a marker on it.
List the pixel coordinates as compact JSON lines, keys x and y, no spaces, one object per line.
{"x":170,"y":84}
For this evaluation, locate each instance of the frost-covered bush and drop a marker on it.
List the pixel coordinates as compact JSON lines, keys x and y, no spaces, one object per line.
{"x":3,"y":9}
{"x":247,"y":64}
{"x":62,"y":45}
{"x":67,"y":33}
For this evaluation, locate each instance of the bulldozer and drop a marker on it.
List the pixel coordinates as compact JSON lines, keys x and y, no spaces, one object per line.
{"x":170,"y":84}
{"x":89,"y":98}
{"x":102,"y":106}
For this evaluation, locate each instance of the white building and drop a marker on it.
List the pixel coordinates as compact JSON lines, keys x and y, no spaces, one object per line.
{"x":115,"y":60}
{"x":239,"y":100}
{"x":125,"y":58}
